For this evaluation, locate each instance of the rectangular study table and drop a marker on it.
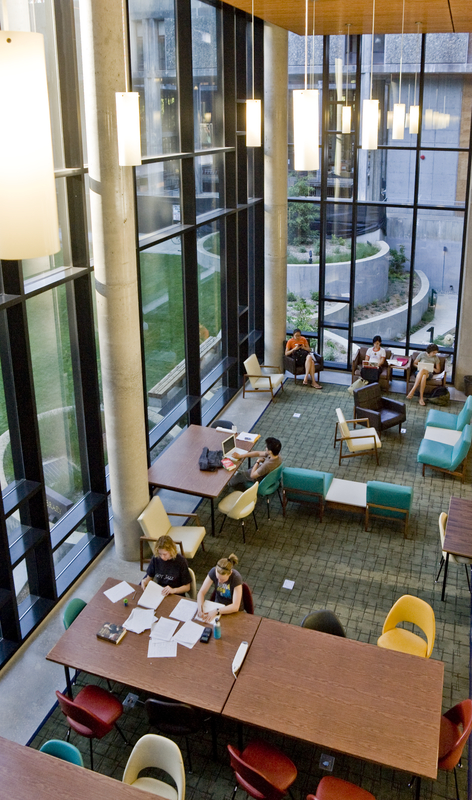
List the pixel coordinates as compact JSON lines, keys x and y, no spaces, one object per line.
{"x":359,"y":699}
{"x":458,"y":538}
{"x":27,"y":774}
{"x":201,"y":677}
{"x":177,"y":468}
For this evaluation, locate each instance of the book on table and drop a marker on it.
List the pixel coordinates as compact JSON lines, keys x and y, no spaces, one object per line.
{"x":111,"y":632}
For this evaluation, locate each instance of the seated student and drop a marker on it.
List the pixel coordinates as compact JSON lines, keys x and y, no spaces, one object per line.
{"x":298,"y":348}
{"x":168,"y":568}
{"x":266,"y":461}
{"x":228,"y":586}
{"x":377,"y":355}
{"x":430,"y":357}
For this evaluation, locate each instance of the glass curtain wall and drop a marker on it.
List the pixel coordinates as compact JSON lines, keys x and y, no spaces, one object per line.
{"x":376,"y":237}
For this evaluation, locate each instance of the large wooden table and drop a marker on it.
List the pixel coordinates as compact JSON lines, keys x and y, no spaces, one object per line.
{"x":177,"y":468}
{"x":27,"y":774}
{"x":201,"y":676}
{"x":356,"y":698}
{"x":458,"y":539}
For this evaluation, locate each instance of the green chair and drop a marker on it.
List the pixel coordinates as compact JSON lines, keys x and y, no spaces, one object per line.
{"x":305,"y":486}
{"x":388,"y":500}
{"x":72,"y":610}
{"x":270,"y":485}
{"x":445,"y":457}
{"x":452,"y":422}
{"x":63,"y":750}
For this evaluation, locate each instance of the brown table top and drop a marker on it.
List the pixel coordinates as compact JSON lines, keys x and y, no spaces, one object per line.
{"x":458,"y":539}
{"x":177,"y":468}
{"x":201,"y":676}
{"x":356,"y":698}
{"x":27,"y":774}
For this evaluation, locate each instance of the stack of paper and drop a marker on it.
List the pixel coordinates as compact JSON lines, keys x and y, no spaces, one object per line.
{"x":164,"y":629}
{"x":139,"y":620}
{"x":152,"y":596}
{"x":188,"y":635}
{"x":247,"y":437}
{"x":184,"y":610}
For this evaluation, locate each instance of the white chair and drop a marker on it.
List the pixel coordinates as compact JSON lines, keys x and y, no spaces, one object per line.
{"x":161,"y":753}
{"x":238,"y":505}
{"x":193,"y":585}
{"x":359,"y":442}
{"x":259,"y":381}
{"x":452,"y":559}
{"x":155,"y":523}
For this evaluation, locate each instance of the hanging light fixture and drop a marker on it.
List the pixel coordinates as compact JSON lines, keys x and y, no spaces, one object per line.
{"x":306,"y":115}
{"x":253,"y":107}
{"x":127,"y":116}
{"x":346,"y":111}
{"x":370,"y":108}
{"x":415,"y":110}
{"x":29,"y":226}
{"x":398,"y":125}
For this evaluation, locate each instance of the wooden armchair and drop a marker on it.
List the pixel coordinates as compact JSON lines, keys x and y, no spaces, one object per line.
{"x":155,"y":523}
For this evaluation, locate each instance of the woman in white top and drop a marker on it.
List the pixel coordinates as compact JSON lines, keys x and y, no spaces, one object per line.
{"x":377,"y":355}
{"x":430,"y":358}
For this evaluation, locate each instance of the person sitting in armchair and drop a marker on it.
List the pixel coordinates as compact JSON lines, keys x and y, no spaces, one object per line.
{"x":298,"y":348}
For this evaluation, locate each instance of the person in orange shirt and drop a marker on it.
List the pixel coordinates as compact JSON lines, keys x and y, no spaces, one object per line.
{"x":299,"y":349}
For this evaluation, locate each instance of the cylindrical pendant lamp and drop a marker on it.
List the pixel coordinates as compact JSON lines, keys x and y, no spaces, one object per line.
{"x":253,"y":123}
{"x":128,"y":126}
{"x":398,"y":124}
{"x":306,"y":129}
{"x":414,"y":119}
{"x":370,"y":124}
{"x":29,"y":226}
{"x":346,"y":120}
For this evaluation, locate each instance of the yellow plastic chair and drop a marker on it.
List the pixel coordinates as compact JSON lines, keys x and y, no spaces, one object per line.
{"x":409,"y":609}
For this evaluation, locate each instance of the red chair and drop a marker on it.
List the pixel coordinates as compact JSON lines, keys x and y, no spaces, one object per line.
{"x":92,"y":714}
{"x":262,"y":771}
{"x":336,"y":789}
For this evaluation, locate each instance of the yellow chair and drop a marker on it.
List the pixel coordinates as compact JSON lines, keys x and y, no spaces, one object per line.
{"x":239,"y":505}
{"x":155,"y":523}
{"x":360,"y":442}
{"x":409,"y":609}
{"x":261,"y":381}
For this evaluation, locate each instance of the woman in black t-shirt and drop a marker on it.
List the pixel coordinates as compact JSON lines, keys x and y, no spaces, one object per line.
{"x":228,"y":586}
{"x":168,"y":568}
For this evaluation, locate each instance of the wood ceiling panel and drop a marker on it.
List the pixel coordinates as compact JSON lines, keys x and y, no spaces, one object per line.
{"x":332,"y":16}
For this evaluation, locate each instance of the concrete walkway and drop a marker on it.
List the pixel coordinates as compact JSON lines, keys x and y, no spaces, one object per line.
{"x":444,"y":319}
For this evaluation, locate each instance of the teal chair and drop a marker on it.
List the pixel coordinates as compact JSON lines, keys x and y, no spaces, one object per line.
{"x":305,"y":486}
{"x":270,"y":485}
{"x":72,"y":610}
{"x":388,"y":500}
{"x":63,"y":750}
{"x":445,"y":457}
{"x":451,"y":422}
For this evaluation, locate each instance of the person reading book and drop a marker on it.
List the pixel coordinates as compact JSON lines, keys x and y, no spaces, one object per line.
{"x":298,"y":348}
{"x":266,"y":461}
{"x":228,"y":586}
{"x":374,"y":361}
{"x":429,"y":364}
{"x":168,"y":568}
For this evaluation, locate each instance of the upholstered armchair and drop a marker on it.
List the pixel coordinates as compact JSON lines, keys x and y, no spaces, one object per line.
{"x":382,"y":412}
{"x":295,"y":369}
{"x":431,"y":383}
{"x":385,"y":374}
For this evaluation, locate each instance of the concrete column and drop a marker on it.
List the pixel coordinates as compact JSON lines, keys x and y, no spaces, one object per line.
{"x":275,"y":190}
{"x":114,"y":251}
{"x":464,"y":350}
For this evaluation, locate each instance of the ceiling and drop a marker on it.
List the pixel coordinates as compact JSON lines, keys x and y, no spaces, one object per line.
{"x":332,"y":16}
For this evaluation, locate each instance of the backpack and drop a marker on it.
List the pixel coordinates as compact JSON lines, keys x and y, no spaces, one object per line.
{"x":440,"y":396}
{"x":210,"y":459}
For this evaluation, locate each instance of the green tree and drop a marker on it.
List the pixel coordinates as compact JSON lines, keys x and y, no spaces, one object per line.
{"x":302,"y":216}
{"x":397,"y":261}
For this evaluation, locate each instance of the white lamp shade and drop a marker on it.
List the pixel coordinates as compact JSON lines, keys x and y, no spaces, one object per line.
{"x":414,"y":119}
{"x":29,"y":226}
{"x":346,"y":120}
{"x":370,"y":124}
{"x":253,"y":123}
{"x":398,"y":124}
{"x":306,"y":129}
{"x":129,"y":131}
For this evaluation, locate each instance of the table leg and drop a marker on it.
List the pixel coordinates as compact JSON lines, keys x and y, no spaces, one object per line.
{"x":68,"y":682}
{"x":446,"y":562}
{"x":240,"y":737}
{"x":212,"y":516}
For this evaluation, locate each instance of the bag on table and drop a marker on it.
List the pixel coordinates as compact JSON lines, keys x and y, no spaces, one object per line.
{"x":357,"y":385}
{"x":210,"y":459}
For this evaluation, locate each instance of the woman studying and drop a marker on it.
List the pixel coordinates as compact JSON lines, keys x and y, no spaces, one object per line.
{"x":168,"y":568}
{"x":228,"y":586}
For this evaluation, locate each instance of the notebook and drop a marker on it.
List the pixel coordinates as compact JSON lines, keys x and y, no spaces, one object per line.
{"x":229,"y":448}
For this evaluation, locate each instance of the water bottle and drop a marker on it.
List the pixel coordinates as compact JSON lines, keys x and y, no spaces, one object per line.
{"x":217,"y":630}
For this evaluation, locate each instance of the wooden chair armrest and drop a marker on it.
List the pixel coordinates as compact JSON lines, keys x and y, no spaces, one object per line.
{"x":359,"y":419}
{"x":367,"y":435}
{"x":178,"y":514}
{"x":271,"y":366}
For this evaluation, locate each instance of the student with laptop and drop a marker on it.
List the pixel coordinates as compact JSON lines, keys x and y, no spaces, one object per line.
{"x":427,"y":363}
{"x":266,"y":461}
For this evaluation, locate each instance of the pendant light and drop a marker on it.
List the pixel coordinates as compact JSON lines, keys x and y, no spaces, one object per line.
{"x":306,"y":116}
{"x":415,"y":110}
{"x":370,"y":108}
{"x":253,"y":107}
{"x":398,"y":125}
{"x":127,"y":116}
{"x":29,"y":226}
{"x":346,"y":110}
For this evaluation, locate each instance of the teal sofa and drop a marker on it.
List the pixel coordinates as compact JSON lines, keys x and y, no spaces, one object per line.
{"x":445,"y":457}
{"x":305,"y":486}
{"x":388,"y":500}
{"x":452,"y":422}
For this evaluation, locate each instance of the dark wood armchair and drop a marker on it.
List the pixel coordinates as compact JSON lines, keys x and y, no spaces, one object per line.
{"x":431,"y":383}
{"x":386,"y":372}
{"x":382,"y":412}
{"x":290,"y":365}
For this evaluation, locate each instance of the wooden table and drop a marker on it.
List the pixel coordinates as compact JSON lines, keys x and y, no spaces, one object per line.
{"x":27,"y":774}
{"x":177,"y":468}
{"x":458,"y":538}
{"x":201,"y":676}
{"x":356,"y":698}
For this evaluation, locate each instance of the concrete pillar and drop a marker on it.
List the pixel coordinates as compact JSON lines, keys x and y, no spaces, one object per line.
{"x":275,"y":190}
{"x":464,"y":350}
{"x":114,"y":251}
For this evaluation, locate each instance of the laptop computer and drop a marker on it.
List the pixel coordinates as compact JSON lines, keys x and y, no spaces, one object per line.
{"x":229,"y":448}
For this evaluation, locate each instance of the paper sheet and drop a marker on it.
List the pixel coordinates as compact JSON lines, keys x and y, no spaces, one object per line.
{"x":159,"y":649}
{"x":152,"y":596}
{"x":208,"y":605}
{"x":184,"y":610}
{"x":164,"y":629}
{"x":139,"y":620}
{"x":287,"y":584}
{"x":189,"y":633}
{"x":247,"y":437}
{"x":118,"y":591}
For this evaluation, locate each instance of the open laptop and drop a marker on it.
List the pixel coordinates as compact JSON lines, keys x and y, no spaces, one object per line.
{"x":229,"y":448}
